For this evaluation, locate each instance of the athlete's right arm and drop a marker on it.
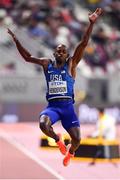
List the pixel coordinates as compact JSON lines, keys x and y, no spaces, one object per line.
{"x":26,"y":55}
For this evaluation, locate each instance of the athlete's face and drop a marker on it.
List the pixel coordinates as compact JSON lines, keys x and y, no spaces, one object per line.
{"x":61,"y":53}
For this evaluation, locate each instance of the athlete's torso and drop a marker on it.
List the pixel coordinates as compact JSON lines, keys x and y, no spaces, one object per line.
{"x":60,"y":83}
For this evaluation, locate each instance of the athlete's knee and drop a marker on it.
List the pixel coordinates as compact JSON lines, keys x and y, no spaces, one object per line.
{"x":74,"y":133}
{"x":76,"y":138}
{"x":44,"y":123}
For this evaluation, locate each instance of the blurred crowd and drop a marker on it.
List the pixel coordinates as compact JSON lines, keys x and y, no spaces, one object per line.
{"x":60,"y":21}
{"x":111,"y":7}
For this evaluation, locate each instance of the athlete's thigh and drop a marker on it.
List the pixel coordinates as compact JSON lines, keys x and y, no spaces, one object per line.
{"x":69,"y":118}
{"x":51,"y":113}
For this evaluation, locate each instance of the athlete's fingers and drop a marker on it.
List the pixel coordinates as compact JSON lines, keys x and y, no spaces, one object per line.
{"x":98,"y":11}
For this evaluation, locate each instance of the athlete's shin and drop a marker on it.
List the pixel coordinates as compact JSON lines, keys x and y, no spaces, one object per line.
{"x":74,"y":133}
{"x":74,"y":145}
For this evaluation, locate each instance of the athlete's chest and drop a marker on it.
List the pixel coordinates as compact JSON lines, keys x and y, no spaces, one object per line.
{"x":57,"y":81}
{"x":56,"y":74}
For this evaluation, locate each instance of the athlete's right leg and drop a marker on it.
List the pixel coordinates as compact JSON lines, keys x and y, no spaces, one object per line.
{"x":46,"y":127}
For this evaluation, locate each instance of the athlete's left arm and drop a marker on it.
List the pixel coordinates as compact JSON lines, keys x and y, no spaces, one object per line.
{"x":82,"y":45}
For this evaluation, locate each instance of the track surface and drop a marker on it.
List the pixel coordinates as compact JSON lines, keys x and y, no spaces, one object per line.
{"x":22,"y":158}
{"x":16,"y":164}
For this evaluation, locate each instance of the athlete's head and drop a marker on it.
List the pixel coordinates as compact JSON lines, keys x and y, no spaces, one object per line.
{"x":61,"y":53}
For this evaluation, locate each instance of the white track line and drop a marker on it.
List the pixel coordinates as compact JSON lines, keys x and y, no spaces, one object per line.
{"x":20,"y":147}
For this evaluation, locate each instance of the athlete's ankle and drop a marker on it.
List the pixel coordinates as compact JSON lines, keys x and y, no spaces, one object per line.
{"x":71,"y":151}
{"x":57,"y":138}
{"x":71,"y":154}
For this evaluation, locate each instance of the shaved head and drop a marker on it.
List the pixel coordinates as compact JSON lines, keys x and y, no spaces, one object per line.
{"x":61,"y":53}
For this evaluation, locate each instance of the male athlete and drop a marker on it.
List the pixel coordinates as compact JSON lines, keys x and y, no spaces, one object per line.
{"x":60,"y":79}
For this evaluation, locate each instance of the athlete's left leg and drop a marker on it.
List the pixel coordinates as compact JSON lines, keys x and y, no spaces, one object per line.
{"x":71,"y":124}
{"x":74,"y":133}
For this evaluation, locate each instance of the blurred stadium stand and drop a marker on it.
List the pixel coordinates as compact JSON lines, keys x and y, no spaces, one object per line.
{"x":40,"y":25}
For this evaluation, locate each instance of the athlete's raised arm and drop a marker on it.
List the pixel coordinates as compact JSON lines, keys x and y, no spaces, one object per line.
{"x":26,"y":55}
{"x":83,"y":43}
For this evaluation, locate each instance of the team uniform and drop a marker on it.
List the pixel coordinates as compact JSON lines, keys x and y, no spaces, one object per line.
{"x":60,"y":96}
{"x":60,"y":87}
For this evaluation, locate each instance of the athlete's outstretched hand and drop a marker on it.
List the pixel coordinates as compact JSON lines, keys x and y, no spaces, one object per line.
{"x":95,"y":15}
{"x":12,"y":34}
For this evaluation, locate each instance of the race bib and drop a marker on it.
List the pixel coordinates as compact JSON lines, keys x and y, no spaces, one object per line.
{"x":57,"y":87}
